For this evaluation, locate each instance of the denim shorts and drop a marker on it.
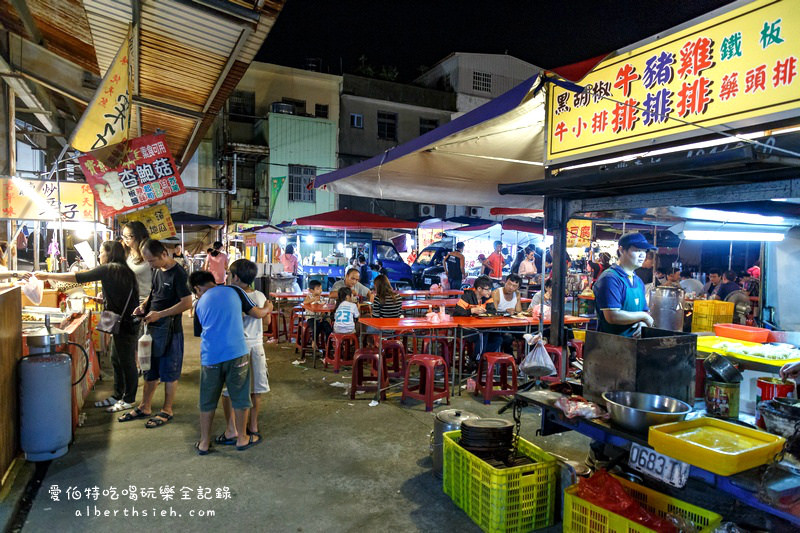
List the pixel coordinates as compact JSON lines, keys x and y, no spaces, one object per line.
{"x":167,"y":353}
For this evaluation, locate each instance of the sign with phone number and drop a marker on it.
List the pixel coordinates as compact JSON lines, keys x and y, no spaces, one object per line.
{"x":659,"y":466}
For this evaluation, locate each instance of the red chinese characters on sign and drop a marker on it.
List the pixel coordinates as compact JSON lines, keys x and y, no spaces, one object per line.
{"x":695,"y":57}
{"x":147,"y":175}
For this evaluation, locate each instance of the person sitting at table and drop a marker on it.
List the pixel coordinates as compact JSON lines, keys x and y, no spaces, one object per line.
{"x":314,"y":296}
{"x":727,"y":286}
{"x":476,"y":302}
{"x":508,"y":300}
{"x":346,"y":311}
{"x":387,"y":303}
{"x":351,"y":281}
{"x":547,"y":294}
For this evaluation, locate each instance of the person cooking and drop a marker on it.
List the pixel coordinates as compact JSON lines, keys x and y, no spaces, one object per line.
{"x":619,"y":292}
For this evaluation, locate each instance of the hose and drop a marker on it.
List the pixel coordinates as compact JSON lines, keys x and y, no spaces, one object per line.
{"x":86,"y":366}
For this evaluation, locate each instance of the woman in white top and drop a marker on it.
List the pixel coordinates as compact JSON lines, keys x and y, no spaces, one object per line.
{"x":528,"y":265}
{"x":133,"y":235}
{"x":506,"y":298}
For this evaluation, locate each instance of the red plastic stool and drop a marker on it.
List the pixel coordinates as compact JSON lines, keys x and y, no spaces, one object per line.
{"x":578,"y":346}
{"x":486,"y":384}
{"x":340,"y":350}
{"x":444,"y":348}
{"x":555,"y":355}
{"x":295,"y":320}
{"x":519,"y":347}
{"x":426,"y":390}
{"x":361,"y":379}
{"x":303,"y":343}
{"x":394,"y":357}
{"x":278,"y":319}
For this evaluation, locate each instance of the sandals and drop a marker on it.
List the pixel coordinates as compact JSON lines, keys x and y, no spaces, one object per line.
{"x":136,"y":414}
{"x":108,"y":402}
{"x":222,"y":439}
{"x":158,"y":420}
{"x":250,"y":443}
{"x":203,"y":452}
{"x":119,"y":406}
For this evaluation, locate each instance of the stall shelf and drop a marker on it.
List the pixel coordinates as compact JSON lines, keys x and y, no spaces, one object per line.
{"x":553,"y":421}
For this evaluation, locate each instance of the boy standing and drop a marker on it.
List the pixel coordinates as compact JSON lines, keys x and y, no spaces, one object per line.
{"x":243,"y":272}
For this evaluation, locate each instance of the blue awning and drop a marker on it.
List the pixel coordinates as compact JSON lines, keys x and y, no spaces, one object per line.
{"x":461,"y":162}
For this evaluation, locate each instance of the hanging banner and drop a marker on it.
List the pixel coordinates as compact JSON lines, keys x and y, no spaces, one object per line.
{"x":106,"y":120}
{"x":156,"y":219}
{"x":736,"y":69}
{"x":579,"y":233}
{"x":147,"y":175}
{"x":275,"y":188}
{"x":250,"y":239}
{"x":39,"y":200}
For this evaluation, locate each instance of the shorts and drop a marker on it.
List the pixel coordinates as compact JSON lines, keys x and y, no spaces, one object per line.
{"x":234,"y":374}
{"x":166,"y":360}
{"x":259,"y":375}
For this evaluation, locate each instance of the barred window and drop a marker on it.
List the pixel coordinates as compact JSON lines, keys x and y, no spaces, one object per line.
{"x":387,"y":126}
{"x":482,"y":81}
{"x":242,"y":106}
{"x":300,"y":177}
{"x":427,"y":124}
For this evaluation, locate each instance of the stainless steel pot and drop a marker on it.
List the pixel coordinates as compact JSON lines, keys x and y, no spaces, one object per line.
{"x":666,"y":307}
{"x":637,"y":411}
{"x":447,"y":420}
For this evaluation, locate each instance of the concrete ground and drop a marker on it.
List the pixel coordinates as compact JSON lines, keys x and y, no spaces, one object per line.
{"x":327,"y":464}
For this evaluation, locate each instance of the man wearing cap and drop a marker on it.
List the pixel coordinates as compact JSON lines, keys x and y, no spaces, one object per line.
{"x":619,"y":293}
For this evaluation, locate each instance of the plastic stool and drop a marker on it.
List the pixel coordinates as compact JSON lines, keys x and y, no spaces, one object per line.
{"x":278,"y":319}
{"x":578,"y":346}
{"x":555,"y":355}
{"x":444,"y":347}
{"x":394,"y":357}
{"x":295,"y":320}
{"x":426,"y":389}
{"x":340,"y":350}
{"x":360,"y":378}
{"x":486,"y":384}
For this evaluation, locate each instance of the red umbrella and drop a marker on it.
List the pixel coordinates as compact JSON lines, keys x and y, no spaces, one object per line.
{"x":495,"y":211}
{"x":350,"y":219}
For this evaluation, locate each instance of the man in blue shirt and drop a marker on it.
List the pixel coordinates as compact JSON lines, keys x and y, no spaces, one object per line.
{"x":224,"y":355}
{"x":727,"y":286}
{"x":619,"y":293}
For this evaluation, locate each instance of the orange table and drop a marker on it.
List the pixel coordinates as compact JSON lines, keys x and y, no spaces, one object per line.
{"x":436,"y":302}
{"x":291,"y":295}
{"x":432,"y":294}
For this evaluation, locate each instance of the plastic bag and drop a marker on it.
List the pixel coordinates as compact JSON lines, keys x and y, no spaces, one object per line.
{"x":579,"y":406}
{"x":605,"y":491}
{"x":34,"y":290}
{"x":536,"y":311}
{"x":537,"y":362}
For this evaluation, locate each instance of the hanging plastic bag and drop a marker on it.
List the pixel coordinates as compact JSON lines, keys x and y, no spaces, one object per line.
{"x":537,"y":310}
{"x":537,"y":362}
{"x":34,"y":290}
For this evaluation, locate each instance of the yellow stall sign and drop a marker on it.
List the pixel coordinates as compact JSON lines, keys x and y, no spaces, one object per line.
{"x":156,"y":219}
{"x":739,"y":68}
{"x":38,"y":200}
{"x":579,"y":233}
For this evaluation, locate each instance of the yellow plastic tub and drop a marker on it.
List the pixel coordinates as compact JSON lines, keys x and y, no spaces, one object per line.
{"x":705,"y":344}
{"x":720,"y":447}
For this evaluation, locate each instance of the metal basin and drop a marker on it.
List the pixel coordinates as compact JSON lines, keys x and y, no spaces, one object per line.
{"x":637,"y":411}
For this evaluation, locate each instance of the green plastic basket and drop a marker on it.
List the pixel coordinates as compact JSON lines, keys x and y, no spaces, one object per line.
{"x":508,"y":499}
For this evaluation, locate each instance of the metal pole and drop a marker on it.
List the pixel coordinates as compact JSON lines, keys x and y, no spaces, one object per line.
{"x":37,"y":227}
{"x":730,"y":255}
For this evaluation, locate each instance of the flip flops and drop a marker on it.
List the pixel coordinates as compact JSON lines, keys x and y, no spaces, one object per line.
{"x":108,"y":402}
{"x":119,"y":406}
{"x":203,"y":452}
{"x":136,"y":414}
{"x":222,"y":439}
{"x":250,"y":443}
{"x":158,"y":420}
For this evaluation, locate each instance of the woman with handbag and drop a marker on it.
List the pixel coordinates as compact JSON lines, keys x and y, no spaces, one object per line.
{"x":120,"y":292}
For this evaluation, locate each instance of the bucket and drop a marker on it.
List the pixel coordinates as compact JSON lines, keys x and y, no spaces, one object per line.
{"x":447,"y":420}
{"x":769,"y":388}
{"x":722,"y":399}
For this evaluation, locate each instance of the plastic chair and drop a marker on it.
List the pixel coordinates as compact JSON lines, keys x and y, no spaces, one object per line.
{"x":394,"y":356}
{"x":426,"y":390}
{"x":362,"y":381}
{"x":278,"y":326}
{"x":340,"y":349}
{"x":486,"y":382}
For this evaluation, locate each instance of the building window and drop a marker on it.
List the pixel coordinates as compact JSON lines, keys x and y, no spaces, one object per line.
{"x":300,"y":179}
{"x":299,"y":105}
{"x":482,"y":81}
{"x":356,"y":120}
{"x":320,"y":111}
{"x":427,"y":124}
{"x":242,"y":106}
{"x":387,"y":126}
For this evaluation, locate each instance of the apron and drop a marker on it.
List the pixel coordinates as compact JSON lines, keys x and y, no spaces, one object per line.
{"x":633,"y":301}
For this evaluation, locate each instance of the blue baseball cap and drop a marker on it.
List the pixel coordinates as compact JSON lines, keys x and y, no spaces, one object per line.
{"x":636,"y":240}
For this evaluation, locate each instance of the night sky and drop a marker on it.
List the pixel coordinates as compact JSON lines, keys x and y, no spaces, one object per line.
{"x":408,"y":35}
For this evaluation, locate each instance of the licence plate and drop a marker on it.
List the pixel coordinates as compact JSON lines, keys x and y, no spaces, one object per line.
{"x":659,"y":466}
{"x":427,"y":281}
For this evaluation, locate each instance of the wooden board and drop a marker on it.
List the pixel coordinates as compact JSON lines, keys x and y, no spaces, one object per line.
{"x":10,"y":351}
